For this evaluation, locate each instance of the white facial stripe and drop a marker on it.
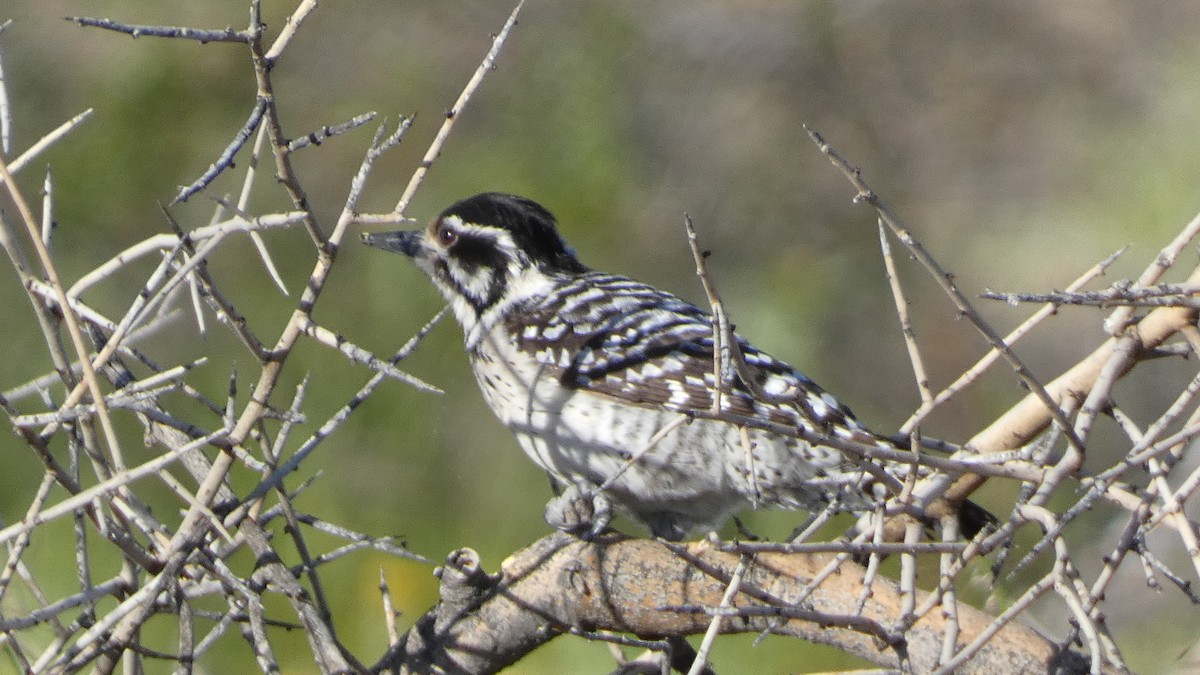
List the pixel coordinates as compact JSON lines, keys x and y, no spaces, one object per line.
{"x":472,"y":291}
{"x":476,"y":283}
{"x":500,"y":236}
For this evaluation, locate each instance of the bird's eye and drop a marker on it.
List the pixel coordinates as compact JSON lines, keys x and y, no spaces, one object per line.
{"x":447,"y":236}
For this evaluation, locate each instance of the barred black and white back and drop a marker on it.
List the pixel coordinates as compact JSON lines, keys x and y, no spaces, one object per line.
{"x":587,"y":368}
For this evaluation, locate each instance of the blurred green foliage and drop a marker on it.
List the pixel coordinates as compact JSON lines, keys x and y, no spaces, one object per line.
{"x":1021,"y":141}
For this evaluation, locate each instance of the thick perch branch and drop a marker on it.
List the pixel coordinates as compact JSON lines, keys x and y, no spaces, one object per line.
{"x":653,"y":589}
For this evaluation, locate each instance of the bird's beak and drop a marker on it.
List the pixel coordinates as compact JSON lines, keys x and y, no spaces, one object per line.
{"x":407,"y":242}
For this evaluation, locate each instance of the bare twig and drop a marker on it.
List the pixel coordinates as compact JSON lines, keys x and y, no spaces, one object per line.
{"x":46,"y":141}
{"x":435,"y":148}
{"x":976,"y":370}
{"x":243,"y":202}
{"x":325,"y":133}
{"x":1120,"y":318}
{"x":225,"y":160}
{"x":182,"y":32}
{"x":48,"y":223}
{"x":5,"y":109}
{"x":361,"y":356}
{"x":167,"y":242}
{"x":906,"y":328}
{"x":714,"y":628}
{"x":72,"y":321}
{"x":84,"y":497}
{"x":389,"y":611}
{"x":1126,"y":294}
{"x":294,"y":21}
{"x":946,"y":281}
{"x":334,"y":422}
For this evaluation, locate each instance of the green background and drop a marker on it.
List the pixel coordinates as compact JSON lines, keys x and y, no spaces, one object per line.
{"x":1022,"y":142}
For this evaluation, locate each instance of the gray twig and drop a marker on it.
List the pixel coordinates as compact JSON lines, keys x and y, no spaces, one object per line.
{"x":181,"y":32}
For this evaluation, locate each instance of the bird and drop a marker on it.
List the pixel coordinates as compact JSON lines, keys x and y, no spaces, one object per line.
{"x":611,"y":386}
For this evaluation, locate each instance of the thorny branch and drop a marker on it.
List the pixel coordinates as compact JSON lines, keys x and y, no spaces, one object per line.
{"x":1124,"y":293}
{"x":1085,"y":391}
{"x":193,"y":557}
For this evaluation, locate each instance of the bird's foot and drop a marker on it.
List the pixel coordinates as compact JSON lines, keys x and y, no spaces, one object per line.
{"x":580,"y":510}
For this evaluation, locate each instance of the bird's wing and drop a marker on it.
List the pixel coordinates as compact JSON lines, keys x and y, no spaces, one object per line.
{"x":620,"y":338}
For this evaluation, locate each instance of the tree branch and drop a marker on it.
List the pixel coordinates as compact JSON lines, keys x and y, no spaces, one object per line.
{"x":1030,"y":417}
{"x":654,"y":589}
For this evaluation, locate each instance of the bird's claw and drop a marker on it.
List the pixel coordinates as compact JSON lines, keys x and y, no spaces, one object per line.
{"x":580,"y":510}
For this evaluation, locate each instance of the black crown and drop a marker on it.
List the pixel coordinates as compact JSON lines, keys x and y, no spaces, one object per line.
{"x":533,"y":228}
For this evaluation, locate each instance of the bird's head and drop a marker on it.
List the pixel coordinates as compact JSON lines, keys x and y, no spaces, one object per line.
{"x":486,"y":253}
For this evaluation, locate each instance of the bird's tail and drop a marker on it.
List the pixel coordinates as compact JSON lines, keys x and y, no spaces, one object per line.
{"x":973,"y":519}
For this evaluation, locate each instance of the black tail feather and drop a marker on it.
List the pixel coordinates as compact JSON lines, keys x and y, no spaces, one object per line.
{"x":973,"y":519}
